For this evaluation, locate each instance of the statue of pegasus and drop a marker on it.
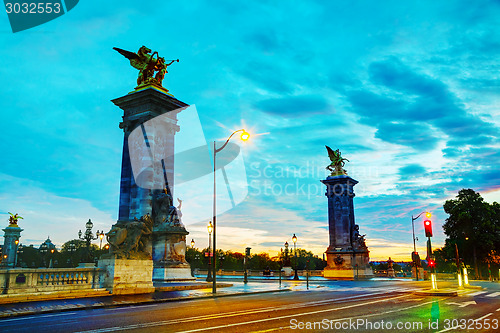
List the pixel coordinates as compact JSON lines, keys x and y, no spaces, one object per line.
{"x":336,"y":167}
{"x":147,"y":65}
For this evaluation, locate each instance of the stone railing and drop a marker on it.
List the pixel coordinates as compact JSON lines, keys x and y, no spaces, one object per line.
{"x":33,"y":280}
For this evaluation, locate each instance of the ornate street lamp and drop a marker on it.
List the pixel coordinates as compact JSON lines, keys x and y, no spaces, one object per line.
{"x":294,"y":239}
{"x":15,"y":252}
{"x":43,"y":250}
{"x":210,"y":228}
{"x":192,"y":243}
{"x":87,"y":237}
{"x":244,"y":137}
{"x":101,"y":236}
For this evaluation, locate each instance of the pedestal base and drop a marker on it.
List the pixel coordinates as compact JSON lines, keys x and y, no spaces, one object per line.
{"x":173,"y":273}
{"x":391,"y":273}
{"x":347,"y":266}
{"x":127,"y":276}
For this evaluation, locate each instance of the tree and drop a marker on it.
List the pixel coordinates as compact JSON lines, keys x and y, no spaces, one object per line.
{"x":75,"y":251}
{"x":473,"y":225}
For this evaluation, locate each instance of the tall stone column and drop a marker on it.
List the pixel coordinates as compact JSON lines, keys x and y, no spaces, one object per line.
{"x":347,"y":254}
{"x":139,"y":107}
{"x":9,"y":252}
{"x":146,"y":186}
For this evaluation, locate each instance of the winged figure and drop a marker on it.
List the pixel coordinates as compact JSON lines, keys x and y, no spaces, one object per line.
{"x":14,"y":218}
{"x":147,"y":65}
{"x":337,"y":164}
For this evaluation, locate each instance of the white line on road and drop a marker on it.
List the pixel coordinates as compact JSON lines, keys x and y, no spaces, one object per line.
{"x":493,"y":295}
{"x":272,"y":308}
{"x":132,"y":307}
{"x":462,"y":304}
{"x":161,"y":323}
{"x":39,"y":316}
{"x":349,"y":318}
{"x":478,"y":293}
{"x":454,"y":327}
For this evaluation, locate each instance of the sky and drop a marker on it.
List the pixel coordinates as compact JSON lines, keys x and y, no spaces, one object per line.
{"x":408,"y":91}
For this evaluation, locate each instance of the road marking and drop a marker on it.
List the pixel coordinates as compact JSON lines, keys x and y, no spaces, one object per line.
{"x":463,"y":304}
{"x":183,"y":320}
{"x":493,"y":295}
{"x":347,"y":318}
{"x":478,"y":319}
{"x":478,"y":293}
{"x":131,"y":307}
{"x":283,"y":307}
{"x":39,"y":316}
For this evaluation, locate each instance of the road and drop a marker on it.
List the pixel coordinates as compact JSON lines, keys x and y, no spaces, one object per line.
{"x":366,"y":306}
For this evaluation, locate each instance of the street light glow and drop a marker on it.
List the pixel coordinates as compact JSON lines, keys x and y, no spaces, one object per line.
{"x":210,"y":227}
{"x":294,"y":238}
{"x":245,"y":136}
{"x":428,"y":215}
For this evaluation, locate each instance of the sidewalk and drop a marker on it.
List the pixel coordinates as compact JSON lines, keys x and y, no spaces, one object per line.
{"x":176,"y":292}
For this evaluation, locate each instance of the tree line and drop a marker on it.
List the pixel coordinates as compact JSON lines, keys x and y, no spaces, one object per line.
{"x":472,"y":228}
{"x":234,"y":261}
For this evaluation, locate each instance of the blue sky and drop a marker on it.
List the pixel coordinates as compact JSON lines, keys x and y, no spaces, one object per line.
{"x":409,"y":92}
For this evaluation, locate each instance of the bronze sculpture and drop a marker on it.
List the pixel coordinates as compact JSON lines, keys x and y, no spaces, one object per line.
{"x":337,"y":164}
{"x":14,"y":218}
{"x":147,"y":65}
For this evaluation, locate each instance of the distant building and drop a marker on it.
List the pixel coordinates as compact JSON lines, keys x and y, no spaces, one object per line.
{"x":47,"y":245}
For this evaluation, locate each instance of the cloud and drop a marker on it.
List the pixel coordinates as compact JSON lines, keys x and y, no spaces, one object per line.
{"x":411,"y":171}
{"x":296,"y":106}
{"x":47,"y":214}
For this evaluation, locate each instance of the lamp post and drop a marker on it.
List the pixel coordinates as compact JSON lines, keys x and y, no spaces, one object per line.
{"x":294,"y":239}
{"x":209,"y":273}
{"x":244,"y":137}
{"x":88,"y":237}
{"x":101,"y":236}
{"x":192,"y":243}
{"x":415,"y":254}
{"x":15,"y":252}
{"x":43,"y":250}
{"x":51,"y":262}
{"x":71,"y":250}
{"x":19,"y":251}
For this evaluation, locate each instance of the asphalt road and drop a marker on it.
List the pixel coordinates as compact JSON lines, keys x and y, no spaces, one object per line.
{"x":371,"y":306}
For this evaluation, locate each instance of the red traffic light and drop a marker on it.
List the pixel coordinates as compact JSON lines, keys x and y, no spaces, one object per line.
{"x":432,"y":263}
{"x":428,"y":228}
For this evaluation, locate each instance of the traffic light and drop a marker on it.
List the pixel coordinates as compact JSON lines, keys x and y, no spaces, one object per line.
{"x":428,"y":225}
{"x":431,"y":263}
{"x":247,"y":251}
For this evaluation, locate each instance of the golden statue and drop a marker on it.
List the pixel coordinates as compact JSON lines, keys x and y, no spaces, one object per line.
{"x":147,"y":65}
{"x":337,"y":165}
{"x":13,"y":218}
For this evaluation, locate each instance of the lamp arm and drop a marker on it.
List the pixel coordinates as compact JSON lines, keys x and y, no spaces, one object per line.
{"x":414,"y":218}
{"x":225,"y":144}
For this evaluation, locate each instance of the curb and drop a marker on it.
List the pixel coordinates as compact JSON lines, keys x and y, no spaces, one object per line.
{"x":436,"y":293}
{"x":474,"y":287}
{"x":74,"y":307}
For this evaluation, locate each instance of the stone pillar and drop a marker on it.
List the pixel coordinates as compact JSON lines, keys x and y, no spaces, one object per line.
{"x":149,"y":125}
{"x":169,"y":255}
{"x":9,"y":252}
{"x":139,"y":107}
{"x":347,"y":254}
